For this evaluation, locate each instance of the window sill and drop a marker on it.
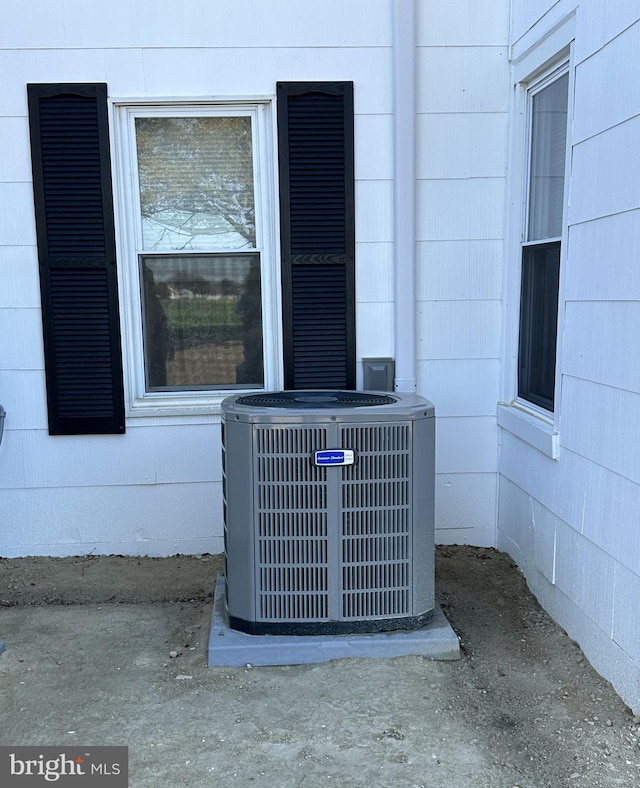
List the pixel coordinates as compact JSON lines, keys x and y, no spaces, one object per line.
{"x":532,"y":427}
{"x":163,"y":405}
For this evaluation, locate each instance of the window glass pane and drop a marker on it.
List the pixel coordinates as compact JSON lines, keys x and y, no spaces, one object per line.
{"x":196,"y":183}
{"x":548,"y":147}
{"x":202,"y":321}
{"x":538,"y":323}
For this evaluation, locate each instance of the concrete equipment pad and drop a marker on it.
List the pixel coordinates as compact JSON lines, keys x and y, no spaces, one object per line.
{"x":229,"y":647}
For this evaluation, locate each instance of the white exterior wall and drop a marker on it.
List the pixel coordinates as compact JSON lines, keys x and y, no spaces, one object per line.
{"x":462,"y":121}
{"x":573,"y":523}
{"x":157,"y":489}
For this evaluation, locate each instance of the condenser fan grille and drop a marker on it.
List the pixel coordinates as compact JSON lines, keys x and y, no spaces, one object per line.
{"x":300,"y":400}
{"x":292,"y":537}
{"x":371,"y":540}
{"x":376,"y":507}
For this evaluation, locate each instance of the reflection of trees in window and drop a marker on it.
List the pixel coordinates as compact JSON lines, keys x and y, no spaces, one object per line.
{"x":196,"y":179}
{"x":249,"y":309}
{"x":157,"y":335}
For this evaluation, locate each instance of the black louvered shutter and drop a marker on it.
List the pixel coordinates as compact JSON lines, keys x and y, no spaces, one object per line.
{"x":315,"y":147}
{"x":76,"y":248}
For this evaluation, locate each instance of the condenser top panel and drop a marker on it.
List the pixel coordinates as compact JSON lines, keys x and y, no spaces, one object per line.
{"x":325,"y":405}
{"x":315,"y":399}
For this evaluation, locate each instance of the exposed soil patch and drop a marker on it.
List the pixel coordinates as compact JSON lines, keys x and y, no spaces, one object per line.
{"x":95,"y":579}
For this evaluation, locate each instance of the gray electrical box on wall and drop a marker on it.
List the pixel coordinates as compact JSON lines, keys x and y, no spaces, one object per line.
{"x":328,"y":506}
{"x":378,"y":374}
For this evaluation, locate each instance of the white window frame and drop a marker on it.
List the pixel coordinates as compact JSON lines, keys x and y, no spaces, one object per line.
{"x":141,"y":402}
{"x":537,"y":58}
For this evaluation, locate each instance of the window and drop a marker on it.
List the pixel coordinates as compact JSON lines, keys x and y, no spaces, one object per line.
{"x":547,"y":112}
{"x":200,"y":261}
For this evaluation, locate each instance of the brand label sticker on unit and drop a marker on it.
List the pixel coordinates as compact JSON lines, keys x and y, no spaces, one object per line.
{"x":334,"y":457}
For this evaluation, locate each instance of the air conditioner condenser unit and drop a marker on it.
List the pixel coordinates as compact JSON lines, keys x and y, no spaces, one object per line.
{"x":328,"y":507}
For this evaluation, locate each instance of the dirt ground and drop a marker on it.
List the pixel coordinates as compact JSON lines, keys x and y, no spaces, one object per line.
{"x":112,"y":650}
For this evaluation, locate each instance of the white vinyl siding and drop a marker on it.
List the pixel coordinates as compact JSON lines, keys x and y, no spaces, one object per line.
{"x":572,"y":525}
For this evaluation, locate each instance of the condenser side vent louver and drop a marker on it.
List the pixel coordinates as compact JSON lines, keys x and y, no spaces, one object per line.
{"x":328,"y":513}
